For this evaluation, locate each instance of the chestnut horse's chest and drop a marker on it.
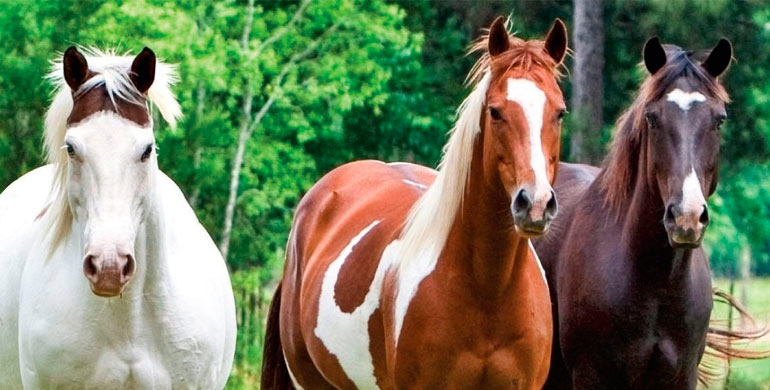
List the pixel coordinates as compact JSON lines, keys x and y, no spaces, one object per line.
{"x":454,"y":337}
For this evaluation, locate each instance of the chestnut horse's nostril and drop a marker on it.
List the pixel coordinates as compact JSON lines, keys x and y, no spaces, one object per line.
{"x":552,"y":207}
{"x":522,"y":203}
{"x":704,"y":216}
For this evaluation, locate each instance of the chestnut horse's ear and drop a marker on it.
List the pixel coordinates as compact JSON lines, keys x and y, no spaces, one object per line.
{"x":143,"y":70}
{"x":75,"y":68}
{"x":498,"y":42}
{"x":654,"y":55}
{"x":719,"y":58}
{"x":556,"y":41}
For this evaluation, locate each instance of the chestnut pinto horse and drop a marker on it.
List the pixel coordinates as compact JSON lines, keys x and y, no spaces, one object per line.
{"x":457,"y":299}
{"x":630,"y":284}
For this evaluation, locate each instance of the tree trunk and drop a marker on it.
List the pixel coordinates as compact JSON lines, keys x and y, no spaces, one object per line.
{"x":201,"y":104}
{"x":587,"y":87}
{"x":247,"y":123}
{"x":243,"y":133}
{"x":745,"y":279}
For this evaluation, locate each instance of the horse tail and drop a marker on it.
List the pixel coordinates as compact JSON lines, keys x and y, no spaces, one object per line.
{"x":275,"y":374}
{"x":725,"y":343}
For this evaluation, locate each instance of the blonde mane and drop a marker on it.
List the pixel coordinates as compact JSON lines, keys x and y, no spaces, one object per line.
{"x":111,"y":71}
{"x":427,"y":227}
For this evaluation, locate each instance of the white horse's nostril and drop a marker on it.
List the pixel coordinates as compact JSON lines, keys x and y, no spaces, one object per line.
{"x":89,"y":268}
{"x":129,"y":267}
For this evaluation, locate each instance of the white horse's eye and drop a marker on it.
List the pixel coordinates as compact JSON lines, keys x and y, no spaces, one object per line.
{"x":147,"y":153}
{"x":70,"y":149}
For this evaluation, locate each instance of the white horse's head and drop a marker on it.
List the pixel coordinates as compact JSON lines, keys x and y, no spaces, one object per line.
{"x":107,"y":158}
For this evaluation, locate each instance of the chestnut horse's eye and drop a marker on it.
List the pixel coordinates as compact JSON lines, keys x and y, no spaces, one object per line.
{"x":562,"y":113}
{"x":147,"y":153}
{"x":495,"y":113}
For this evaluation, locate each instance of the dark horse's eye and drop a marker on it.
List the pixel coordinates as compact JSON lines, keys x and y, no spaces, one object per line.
{"x":652,"y":119}
{"x":147,"y":153}
{"x":720,"y":120}
{"x":495,"y":113}
{"x":562,"y":114}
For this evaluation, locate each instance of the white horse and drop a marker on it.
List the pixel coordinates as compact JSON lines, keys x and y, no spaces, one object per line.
{"x":107,"y":279}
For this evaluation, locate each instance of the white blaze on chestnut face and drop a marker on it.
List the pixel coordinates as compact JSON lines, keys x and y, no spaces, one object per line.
{"x":692,"y":195}
{"x":683,"y":99}
{"x":531,"y":99}
{"x":346,"y":335}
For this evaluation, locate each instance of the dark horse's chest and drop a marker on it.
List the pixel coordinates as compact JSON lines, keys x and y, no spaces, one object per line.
{"x":665,"y":337}
{"x":653,"y":335}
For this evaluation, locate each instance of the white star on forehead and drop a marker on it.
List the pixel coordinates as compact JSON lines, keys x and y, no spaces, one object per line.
{"x":685,"y":99}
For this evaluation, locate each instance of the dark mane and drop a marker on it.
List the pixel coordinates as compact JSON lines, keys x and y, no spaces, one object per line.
{"x":620,"y":166}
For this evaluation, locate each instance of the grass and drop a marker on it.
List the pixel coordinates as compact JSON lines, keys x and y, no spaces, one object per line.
{"x":748,"y":374}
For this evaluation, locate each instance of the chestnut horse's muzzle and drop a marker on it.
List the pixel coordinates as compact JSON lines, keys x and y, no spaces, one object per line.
{"x":533,"y":217}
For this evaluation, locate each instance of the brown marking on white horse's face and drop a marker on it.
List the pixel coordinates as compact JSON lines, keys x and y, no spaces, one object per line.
{"x":683,"y":141}
{"x":524,"y":114}
{"x":111,"y":148}
{"x":93,"y":100}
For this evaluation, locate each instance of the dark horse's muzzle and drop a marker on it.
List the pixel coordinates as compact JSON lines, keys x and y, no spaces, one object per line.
{"x":685,"y":229}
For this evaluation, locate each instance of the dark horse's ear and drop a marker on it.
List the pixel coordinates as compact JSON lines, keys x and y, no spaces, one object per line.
{"x":498,"y":42}
{"x":719,"y":58}
{"x":654,"y":55}
{"x":143,"y":70}
{"x":556,"y":41}
{"x":75,"y":68}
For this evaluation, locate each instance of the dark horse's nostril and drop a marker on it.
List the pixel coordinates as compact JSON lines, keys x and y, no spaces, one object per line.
{"x":552,"y":206}
{"x":704,"y":217}
{"x":522,"y":202}
{"x":669,"y":216}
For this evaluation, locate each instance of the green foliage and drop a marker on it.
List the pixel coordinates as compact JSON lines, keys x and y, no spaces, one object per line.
{"x":352,"y":79}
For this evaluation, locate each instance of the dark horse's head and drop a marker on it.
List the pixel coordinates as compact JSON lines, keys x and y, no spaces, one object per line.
{"x":675,"y":124}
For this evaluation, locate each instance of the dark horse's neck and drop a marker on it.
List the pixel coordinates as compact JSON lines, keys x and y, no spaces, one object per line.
{"x":643,"y":229}
{"x":489,"y":241}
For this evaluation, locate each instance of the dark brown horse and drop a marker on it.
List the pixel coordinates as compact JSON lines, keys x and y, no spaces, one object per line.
{"x":630,"y":284}
{"x":401,"y":277}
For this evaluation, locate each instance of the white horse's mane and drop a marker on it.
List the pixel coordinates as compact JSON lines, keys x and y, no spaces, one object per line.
{"x":111,"y":71}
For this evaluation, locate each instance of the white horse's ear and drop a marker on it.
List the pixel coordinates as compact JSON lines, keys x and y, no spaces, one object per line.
{"x":143,"y":70}
{"x":75,"y":68}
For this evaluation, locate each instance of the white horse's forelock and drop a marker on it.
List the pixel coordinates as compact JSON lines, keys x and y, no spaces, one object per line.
{"x":111,"y":71}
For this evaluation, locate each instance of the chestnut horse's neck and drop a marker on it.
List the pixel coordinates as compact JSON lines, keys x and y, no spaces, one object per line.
{"x":643,"y":230}
{"x":483,"y":230}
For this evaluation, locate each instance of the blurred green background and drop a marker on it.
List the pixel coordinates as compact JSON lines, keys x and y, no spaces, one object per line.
{"x":276,"y":93}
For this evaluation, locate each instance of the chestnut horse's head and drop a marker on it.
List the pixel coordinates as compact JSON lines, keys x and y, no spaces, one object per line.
{"x":522,"y":122}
